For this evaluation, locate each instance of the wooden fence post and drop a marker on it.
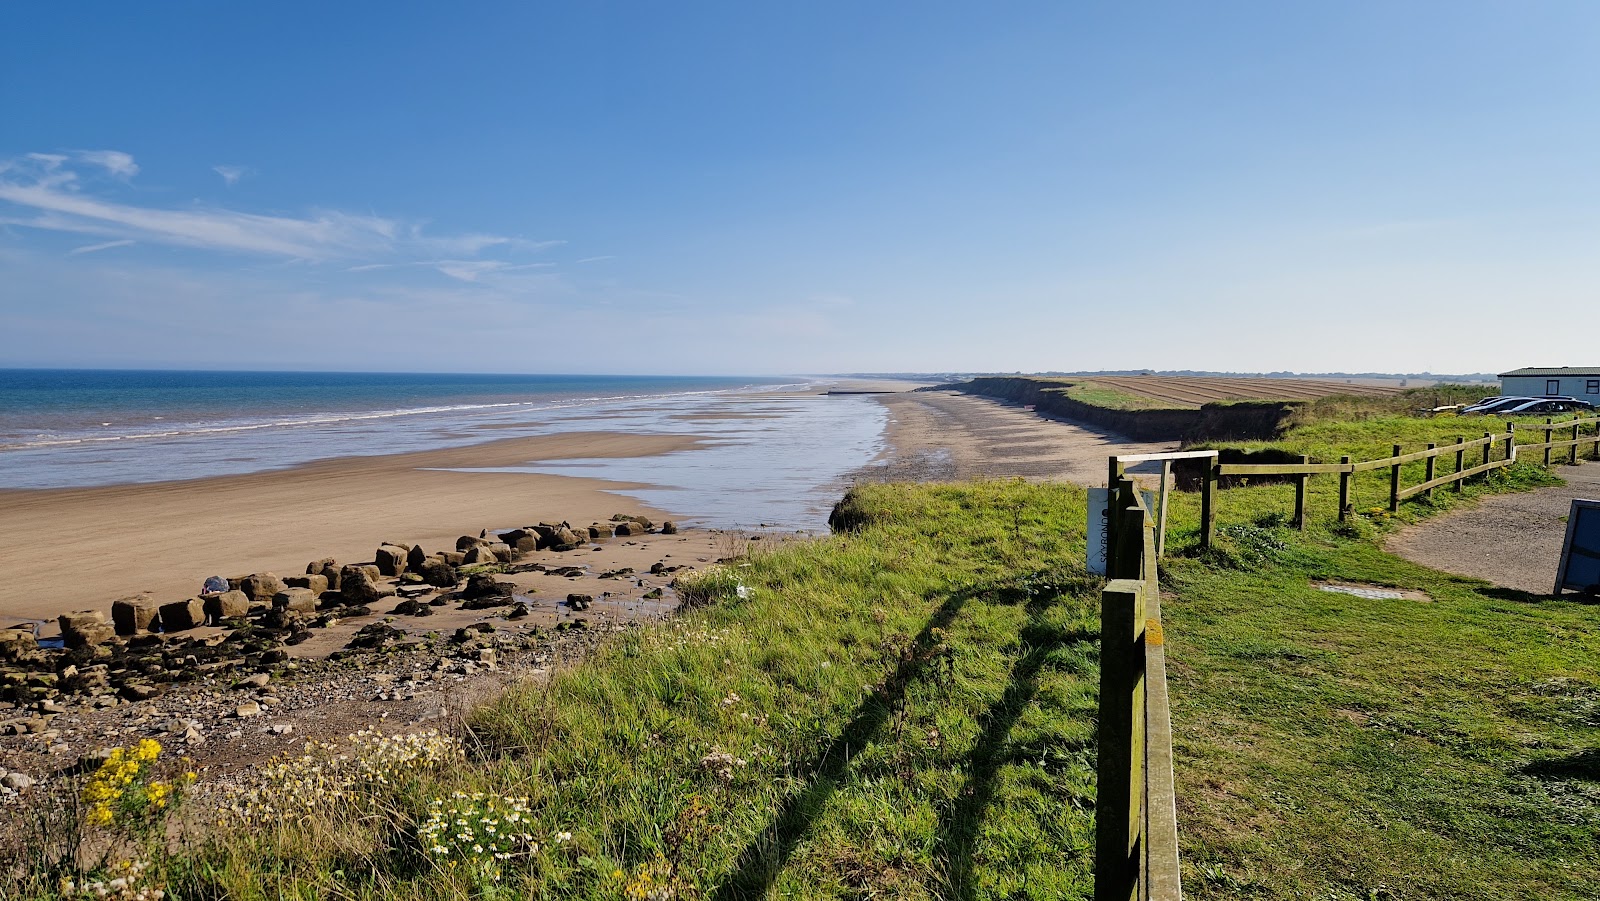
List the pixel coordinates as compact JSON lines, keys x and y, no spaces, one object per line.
{"x":1597,"y":441}
{"x":1572,"y":456}
{"x":1488,"y":449}
{"x":1128,"y":522}
{"x":1344,"y":490}
{"x":1432,"y":465}
{"x":1394,"y":484}
{"x":1547,"y":421}
{"x":1119,"y":794}
{"x":1511,"y":439}
{"x":1208,"y":503}
{"x":1461,"y":459}
{"x":1300,"y":496}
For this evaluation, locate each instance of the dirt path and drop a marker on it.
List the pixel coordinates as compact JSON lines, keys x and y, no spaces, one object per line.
{"x":1512,"y":540}
{"x":940,"y":436}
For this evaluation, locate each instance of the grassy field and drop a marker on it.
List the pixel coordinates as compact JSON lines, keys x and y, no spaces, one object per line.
{"x":908,"y":710}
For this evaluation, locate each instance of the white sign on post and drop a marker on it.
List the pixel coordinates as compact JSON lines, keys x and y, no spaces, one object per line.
{"x":1100,"y":525}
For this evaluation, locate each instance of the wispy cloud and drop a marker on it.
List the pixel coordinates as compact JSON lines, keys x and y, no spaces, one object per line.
{"x":464,"y":270}
{"x":93,"y":248}
{"x":232,"y":174}
{"x":69,"y":192}
{"x":596,"y":259}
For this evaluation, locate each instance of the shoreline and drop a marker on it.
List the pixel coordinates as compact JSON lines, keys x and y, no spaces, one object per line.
{"x":65,"y":549}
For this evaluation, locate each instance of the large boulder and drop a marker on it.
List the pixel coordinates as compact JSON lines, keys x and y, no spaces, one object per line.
{"x":482,"y":585}
{"x":331,"y":573}
{"x":415,"y":558}
{"x":227,"y":605}
{"x":436,"y":572}
{"x":317,"y":566}
{"x":391,"y":559}
{"x":85,"y":628}
{"x":261,"y":587}
{"x":185,"y":614}
{"x":15,"y":643}
{"x":598,"y":532}
{"x":470,"y":541}
{"x":642,"y":521}
{"x":669,"y":528}
{"x":627,"y":529}
{"x":521,"y":540}
{"x":134,"y":615}
{"x":359,"y":586}
{"x":296,"y":600}
{"x":478,"y":555}
{"x":317,"y":583}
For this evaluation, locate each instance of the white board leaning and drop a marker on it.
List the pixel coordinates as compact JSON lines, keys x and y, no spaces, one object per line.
{"x":1580,"y":551}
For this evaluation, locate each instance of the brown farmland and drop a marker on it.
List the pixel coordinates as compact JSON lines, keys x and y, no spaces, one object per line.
{"x":1187,"y":391}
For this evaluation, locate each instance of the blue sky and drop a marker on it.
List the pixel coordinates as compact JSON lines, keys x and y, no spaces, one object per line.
{"x":764,"y":188}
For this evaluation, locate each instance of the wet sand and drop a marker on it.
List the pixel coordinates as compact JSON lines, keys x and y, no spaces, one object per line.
{"x":70,"y":549}
{"x":944,"y":435}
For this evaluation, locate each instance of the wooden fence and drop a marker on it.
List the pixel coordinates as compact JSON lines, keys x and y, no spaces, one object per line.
{"x":1136,"y":820}
{"x":1476,"y":457}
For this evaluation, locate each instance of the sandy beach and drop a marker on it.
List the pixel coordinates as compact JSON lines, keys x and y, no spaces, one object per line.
{"x":70,"y":549}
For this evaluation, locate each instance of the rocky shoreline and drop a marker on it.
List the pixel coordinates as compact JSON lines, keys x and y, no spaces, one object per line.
{"x":232,"y":676}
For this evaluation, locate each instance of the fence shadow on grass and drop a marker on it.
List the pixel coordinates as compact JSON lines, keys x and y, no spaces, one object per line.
{"x":1583,"y":765}
{"x":958,"y":834}
{"x":758,"y":865}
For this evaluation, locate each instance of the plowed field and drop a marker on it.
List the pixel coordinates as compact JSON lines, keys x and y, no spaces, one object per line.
{"x":1183,"y":391}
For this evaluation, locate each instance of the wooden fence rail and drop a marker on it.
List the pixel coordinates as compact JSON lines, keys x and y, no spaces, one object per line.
{"x":1347,"y":468}
{"x":1136,"y":825}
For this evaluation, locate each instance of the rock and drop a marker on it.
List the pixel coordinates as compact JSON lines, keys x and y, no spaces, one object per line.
{"x":84,"y":629}
{"x":247,"y":710}
{"x":331,"y":573}
{"x":471,"y":541}
{"x":415,"y":558}
{"x":579,"y":601}
{"x":193,"y":738}
{"x":15,"y":643}
{"x":180,"y":615}
{"x":454,"y":558}
{"x":297,"y":600}
{"x":261,"y":587}
{"x":409,"y":607}
{"x":227,"y":605}
{"x":640,"y":521}
{"x":317,"y":566}
{"x":259,"y":680}
{"x":17,"y":781}
{"x":438,"y":573}
{"x":481,"y":585}
{"x":317,"y":583}
{"x":375,"y":636}
{"x":626,"y":529}
{"x":134,"y":615}
{"x":669,"y":528}
{"x":518,"y":611}
{"x":598,"y":533}
{"x":522,"y":541}
{"x":478,"y":555}
{"x":139,"y":691}
{"x":358,"y":586}
{"x":566,"y":539}
{"x":283,"y":729}
{"x":391,"y":560}
{"x":487,"y":657}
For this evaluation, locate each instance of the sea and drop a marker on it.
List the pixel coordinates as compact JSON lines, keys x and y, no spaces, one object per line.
{"x":777,"y":455}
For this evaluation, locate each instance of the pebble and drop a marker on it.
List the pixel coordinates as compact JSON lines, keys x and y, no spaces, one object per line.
{"x":247,"y":709}
{"x":17,"y":781}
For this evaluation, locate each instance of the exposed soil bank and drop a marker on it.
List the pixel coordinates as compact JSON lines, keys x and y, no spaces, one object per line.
{"x":1234,"y":421}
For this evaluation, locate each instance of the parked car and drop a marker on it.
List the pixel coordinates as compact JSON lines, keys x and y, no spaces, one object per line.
{"x":1491,"y":404}
{"x":1546,"y":405}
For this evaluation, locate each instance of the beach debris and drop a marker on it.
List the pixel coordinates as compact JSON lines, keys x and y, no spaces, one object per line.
{"x":185,"y":614}
{"x":260,"y":587}
{"x":84,"y":629}
{"x":132,"y":615}
{"x":358,"y":584}
{"x":297,"y":600}
{"x":227,"y":605}
{"x":215,"y":585}
{"x":390,"y":558}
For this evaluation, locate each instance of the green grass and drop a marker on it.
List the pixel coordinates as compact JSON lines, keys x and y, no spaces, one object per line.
{"x":1098,"y":395}
{"x":906,"y":711}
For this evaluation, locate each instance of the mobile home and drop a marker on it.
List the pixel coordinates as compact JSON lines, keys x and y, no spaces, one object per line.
{"x":1582,"y":382}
